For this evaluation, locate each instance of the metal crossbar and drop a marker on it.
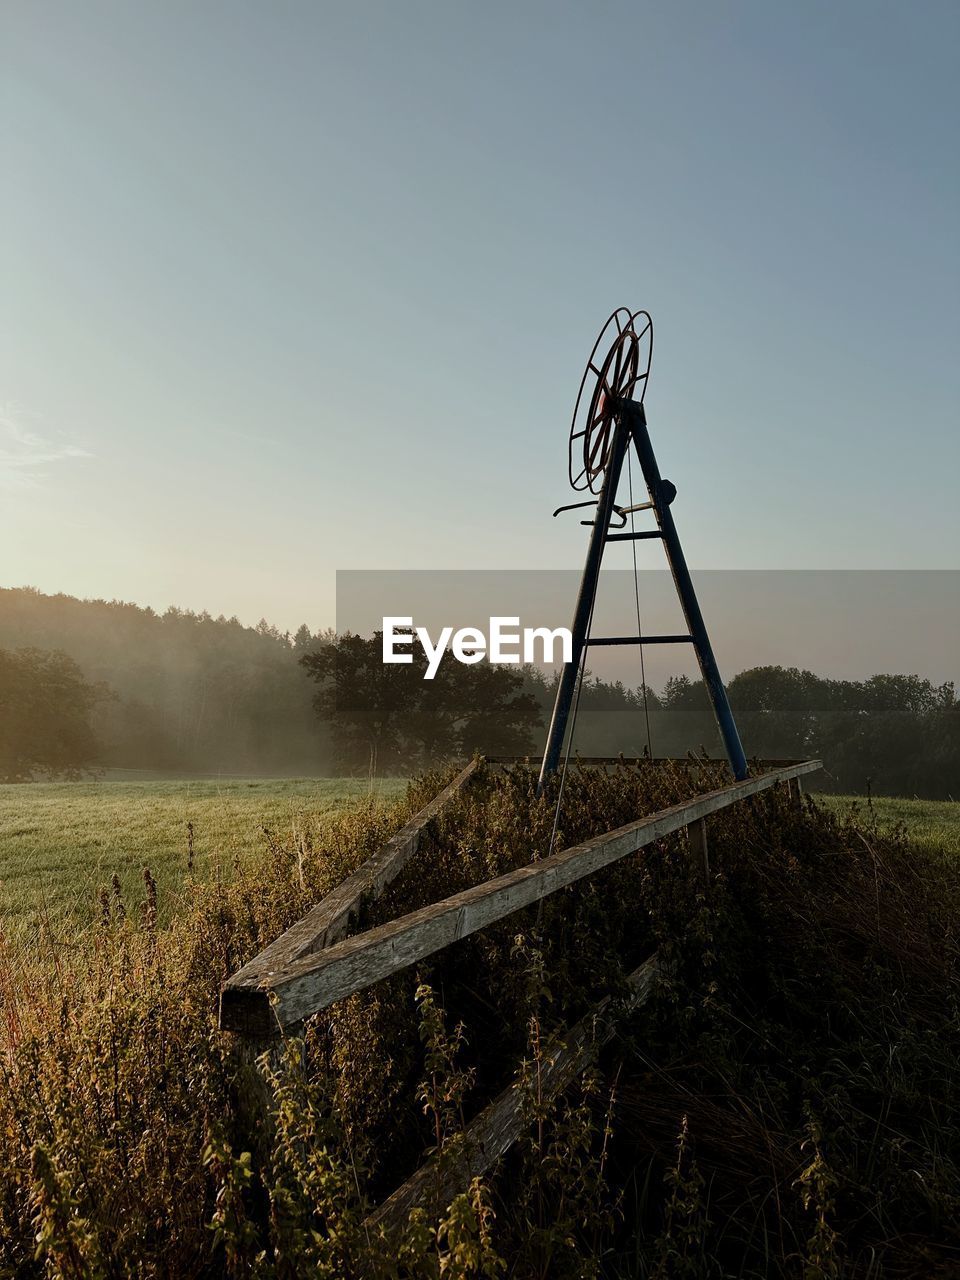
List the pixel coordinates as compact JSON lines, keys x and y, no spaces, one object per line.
{"x":592,"y":640}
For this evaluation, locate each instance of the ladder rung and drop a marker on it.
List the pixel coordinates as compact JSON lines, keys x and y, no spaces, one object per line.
{"x":641,"y":640}
{"x":640,"y":506}
{"x":633,"y":537}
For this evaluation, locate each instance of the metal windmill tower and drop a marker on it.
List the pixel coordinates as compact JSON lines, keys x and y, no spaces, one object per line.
{"x":608,"y":420}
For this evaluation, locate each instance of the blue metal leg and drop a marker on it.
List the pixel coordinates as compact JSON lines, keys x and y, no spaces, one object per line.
{"x":633,"y":416}
{"x":631,"y":424}
{"x":585,"y":599}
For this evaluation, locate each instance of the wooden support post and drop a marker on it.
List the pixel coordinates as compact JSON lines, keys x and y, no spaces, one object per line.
{"x":697,"y":837}
{"x":795,"y":791}
{"x":326,"y":923}
{"x":496,"y":1129}
{"x":254,"y":1094}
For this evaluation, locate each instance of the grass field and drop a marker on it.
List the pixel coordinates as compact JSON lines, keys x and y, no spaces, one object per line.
{"x":60,"y":842}
{"x":935,"y":824}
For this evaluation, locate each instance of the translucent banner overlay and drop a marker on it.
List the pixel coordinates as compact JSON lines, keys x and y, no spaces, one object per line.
{"x":839,"y":624}
{"x":882,"y":649}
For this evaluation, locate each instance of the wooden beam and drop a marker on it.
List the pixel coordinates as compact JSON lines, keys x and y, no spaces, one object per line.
{"x":251,"y":1003}
{"x":797,"y":785}
{"x":331,"y":918}
{"x":498,"y":1127}
{"x":697,"y":836}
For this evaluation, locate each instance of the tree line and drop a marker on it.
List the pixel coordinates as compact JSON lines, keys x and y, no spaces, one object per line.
{"x":181,"y":692}
{"x":97,"y":684}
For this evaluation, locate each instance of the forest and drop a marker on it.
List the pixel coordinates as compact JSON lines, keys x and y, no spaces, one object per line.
{"x":90,"y":685}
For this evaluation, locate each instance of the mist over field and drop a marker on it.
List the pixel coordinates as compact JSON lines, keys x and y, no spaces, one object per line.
{"x":184,"y":694}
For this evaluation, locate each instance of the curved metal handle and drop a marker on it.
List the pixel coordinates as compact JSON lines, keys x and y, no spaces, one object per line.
{"x":575,"y":506}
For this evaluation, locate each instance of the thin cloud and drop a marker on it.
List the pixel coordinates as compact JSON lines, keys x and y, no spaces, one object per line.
{"x":25,"y":454}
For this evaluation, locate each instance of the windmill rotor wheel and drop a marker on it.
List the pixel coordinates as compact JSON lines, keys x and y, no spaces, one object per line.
{"x":618,"y":369}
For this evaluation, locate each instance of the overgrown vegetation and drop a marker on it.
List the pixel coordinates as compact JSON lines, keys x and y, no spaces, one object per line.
{"x":786,"y":1104}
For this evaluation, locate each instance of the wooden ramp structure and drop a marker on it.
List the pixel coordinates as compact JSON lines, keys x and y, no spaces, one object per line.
{"x":318,"y":961}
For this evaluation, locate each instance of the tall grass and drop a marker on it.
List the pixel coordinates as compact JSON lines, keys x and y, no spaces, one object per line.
{"x":786,"y":1104}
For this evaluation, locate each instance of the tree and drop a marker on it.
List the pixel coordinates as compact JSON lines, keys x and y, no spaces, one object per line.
{"x":367,"y":702}
{"x":489,"y":709}
{"x":780,"y":711}
{"x":45,"y":708}
{"x":303,"y":639}
{"x":193,"y":693}
{"x":387,"y":716}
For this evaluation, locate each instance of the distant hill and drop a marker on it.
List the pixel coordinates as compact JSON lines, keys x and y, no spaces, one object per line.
{"x":191,"y":693}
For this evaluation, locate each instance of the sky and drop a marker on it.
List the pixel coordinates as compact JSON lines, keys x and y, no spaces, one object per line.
{"x":300,"y":287}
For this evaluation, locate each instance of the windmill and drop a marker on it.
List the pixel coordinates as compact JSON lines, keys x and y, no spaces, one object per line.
{"x":609,"y":419}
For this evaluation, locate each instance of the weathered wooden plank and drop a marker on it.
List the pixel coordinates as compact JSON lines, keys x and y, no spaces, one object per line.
{"x":796,"y":791}
{"x":697,"y":836}
{"x":253,"y":1091}
{"x":259,"y":1001}
{"x":500,"y":1124}
{"x":330,"y":919}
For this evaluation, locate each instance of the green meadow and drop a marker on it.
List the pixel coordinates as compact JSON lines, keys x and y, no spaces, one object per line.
{"x":61,"y":842}
{"x":935,"y":824}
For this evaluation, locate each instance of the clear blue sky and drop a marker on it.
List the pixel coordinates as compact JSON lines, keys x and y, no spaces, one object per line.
{"x":288,"y":288}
